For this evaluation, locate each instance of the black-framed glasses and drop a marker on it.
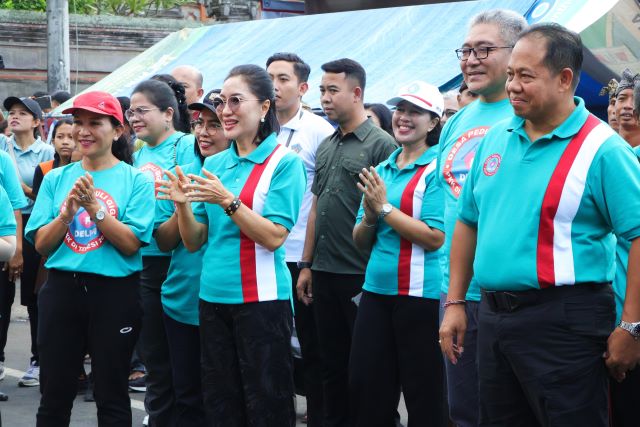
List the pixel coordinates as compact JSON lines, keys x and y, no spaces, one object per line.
{"x":211,"y":127}
{"x":233,"y":102}
{"x":479,"y":52}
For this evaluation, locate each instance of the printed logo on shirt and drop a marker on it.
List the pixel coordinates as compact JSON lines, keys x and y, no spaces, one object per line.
{"x":492,"y":164}
{"x":296,"y":148}
{"x":83,"y":235}
{"x":458,"y":161}
{"x":154,"y":171}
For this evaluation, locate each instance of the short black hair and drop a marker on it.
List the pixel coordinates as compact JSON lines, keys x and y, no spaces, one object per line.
{"x":300,"y":68}
{"x":350,"y":68}
{"x":39,"y":94}
{"x":564,"y":48}
{"x":384,"y":116}
{"x":61,"y":96}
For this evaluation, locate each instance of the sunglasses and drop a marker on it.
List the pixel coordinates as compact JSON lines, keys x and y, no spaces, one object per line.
{"x":233,"y":102}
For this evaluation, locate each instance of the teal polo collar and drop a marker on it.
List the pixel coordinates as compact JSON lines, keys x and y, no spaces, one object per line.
{"x":257,"y":156}
{"x":426,"y":158}
{"x":567,"y":129}
{"x":36,"y":147}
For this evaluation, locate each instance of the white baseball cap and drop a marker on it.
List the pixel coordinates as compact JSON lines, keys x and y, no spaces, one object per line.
{"x":421,"y":94}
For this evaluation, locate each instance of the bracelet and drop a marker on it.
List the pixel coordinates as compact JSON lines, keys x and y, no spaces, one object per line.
{"x":453,"y":302}
{"x":366,"y":224}
{"x":233,"y":207}
{"x":65,"y":222}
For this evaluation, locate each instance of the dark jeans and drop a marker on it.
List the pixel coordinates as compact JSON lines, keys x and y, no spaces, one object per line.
{"x":396,"y":341}
{"x":541,"y":364}
{"x":184,"y":348}
{"x":154,"y":350}
{"x":247,"y":366}
{"x":462,"y":378}
{"x":79,"y":312}
{"x":311,"y":365}
{"x":335,"y":314}
{"x":625,"y":400}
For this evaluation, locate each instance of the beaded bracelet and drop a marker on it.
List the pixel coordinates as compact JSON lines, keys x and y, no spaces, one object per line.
{"x":453,"y":302}
{"x":366,"y":224}
{"x":233,"y":207}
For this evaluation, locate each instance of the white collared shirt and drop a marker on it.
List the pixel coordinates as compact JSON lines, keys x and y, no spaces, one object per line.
{"x":303,"y":135}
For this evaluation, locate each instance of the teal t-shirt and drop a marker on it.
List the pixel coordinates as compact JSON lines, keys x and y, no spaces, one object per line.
{"x":175,"y":150}
{"x":10,"y":182}
{"x":7,"y":218}
{"x":397,"y":266}
{"x":180,"y":290}
{"x":459,"y":141}
{"x":123,"y":191}
{"x":546,"y":211}
{"x":271,"y":180}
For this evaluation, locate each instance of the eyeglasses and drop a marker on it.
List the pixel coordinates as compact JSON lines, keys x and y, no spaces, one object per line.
{"x":137,"y":112}
{"x":479,"y":52}
{"x":211,"y":127}
{"x":233,"y":102}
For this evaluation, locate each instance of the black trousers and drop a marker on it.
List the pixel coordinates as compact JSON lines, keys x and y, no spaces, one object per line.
{"x":335,"y":314}
{"x":79,"y":312}
{"x":159,"y":400}
{"x":541,"y":364}
{"x":625,"y":400}
{"x":309,"y":346}
{"x":395,"y":340}
{"x":28,"y":297}
{"x":184,"y":348}
{"x":247,"y":366}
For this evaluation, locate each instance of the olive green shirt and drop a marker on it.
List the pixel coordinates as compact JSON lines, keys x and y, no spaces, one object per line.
{"x":339,"y":160}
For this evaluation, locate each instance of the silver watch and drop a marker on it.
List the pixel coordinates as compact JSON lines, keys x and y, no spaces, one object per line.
{"x":100,"y":215}
{"x":386,"y":210}
{"x":632,"y":327}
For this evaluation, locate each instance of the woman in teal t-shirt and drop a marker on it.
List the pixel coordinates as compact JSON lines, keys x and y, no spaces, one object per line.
{"x":7,"y":227}
{"x":395,"y":337}
{"x":251,"y":195}
{"x":90,"y":220}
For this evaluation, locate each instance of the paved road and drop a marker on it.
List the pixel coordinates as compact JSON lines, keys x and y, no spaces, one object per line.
{"x":20,"y":409}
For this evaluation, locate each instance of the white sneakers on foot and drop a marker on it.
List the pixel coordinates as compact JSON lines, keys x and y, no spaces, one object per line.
{"x":31,"y":378}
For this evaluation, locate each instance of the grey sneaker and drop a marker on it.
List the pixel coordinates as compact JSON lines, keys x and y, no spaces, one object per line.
{"x":31,"y":378}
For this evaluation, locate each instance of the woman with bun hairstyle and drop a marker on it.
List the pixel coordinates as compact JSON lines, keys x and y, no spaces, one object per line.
{"x":154,"y":115}
{"x":90,"y":221}
{"x":249,"y":198}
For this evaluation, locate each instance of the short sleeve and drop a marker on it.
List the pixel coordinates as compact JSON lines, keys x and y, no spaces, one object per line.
{"x":43,"y":209}
{"x":11,"y":182}
{"x":287,"y":188}
{"x":7,"y":217}
{"x":138,"y":213}
{"x":37,"y":180}
{"x":432,"y":212}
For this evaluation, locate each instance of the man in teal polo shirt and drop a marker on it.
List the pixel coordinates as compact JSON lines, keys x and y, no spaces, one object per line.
{"x":536,"y":226}
{"x":483,"y":61}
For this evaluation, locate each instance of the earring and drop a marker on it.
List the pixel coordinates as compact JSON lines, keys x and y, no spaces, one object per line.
{"x":262,"y":120}
{"x":166,"y":126}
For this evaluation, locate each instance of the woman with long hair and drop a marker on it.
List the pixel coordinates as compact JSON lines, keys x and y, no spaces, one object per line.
{"x":90,"y":221}
{"x":249,"y":197}
{"x":64,"y":146}
{"x":395,"y":338}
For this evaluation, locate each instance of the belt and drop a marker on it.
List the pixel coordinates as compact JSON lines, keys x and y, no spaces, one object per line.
{"x":509,"y":301}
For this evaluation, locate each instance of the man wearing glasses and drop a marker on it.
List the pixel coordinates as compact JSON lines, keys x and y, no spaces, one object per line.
{"x":483,"y":57}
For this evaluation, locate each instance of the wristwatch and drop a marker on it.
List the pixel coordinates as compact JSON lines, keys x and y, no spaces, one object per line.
{"x":386,"y":210}
{"x":303,"y":264}
{"x":102,"y":212}
{"x":632,"y":327}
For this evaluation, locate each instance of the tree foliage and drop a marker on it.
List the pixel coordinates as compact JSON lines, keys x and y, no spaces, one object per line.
{"x":98,"y":7}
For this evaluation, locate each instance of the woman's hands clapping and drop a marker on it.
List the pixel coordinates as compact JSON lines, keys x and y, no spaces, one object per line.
{"x":194,"y":188}
{"x":374,"y":190}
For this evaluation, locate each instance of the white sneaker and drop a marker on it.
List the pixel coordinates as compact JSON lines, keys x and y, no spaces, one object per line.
{"x":145,"y":421}
{"x":31,"y":378}
{"x":1,"y":371}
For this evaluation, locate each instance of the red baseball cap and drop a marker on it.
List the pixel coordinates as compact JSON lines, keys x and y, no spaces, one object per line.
{"x":97,"y":102}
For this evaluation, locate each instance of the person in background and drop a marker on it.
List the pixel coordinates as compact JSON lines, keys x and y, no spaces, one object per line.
{"x":450,"y":105}
{"x":90,"y":220}
{"x":465,"y":96}
{"x":5,"y":132}
{"x":401,"y":221}
{"x":191,"y":80}
{"x":65,"y":150}
{"x":58,"y":98}
{"x":302,"y":132}
{"x":610,"y":90}
{"x":627,"y":125}
{"x":27,"y":150}
{"x":180,"y":290}
{"x":380,"y":116}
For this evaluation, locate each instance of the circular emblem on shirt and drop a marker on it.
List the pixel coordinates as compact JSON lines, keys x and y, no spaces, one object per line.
{"x":492,"y":164}
{"x":460,"y":157}
{"x":154,"y":171}
{"x":83,"y":235}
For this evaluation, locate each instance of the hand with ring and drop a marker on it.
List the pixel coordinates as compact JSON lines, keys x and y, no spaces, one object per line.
{"x":85,"y":194}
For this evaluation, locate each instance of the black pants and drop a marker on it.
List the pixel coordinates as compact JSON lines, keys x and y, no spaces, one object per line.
{"x":184,"y":348}
{"x":335,"y":314}
{"x":154,"y":350}
{"x":541,"y":364}
{"x":625,"y":400}
{"x":28,"y":297}
{"x":247,"y":367}
{"x":80,"y":312}
{"x":395,"y":340}
{"x":311,"y":365}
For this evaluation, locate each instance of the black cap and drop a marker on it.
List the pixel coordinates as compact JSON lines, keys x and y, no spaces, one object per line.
{"x":28,"y":103}
{"x":207,"y":102}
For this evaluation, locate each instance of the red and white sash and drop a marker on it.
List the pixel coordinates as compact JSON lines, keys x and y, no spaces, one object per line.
{"x":555,"y":265}
{"x":257,"y":264}
{"x":411,"y":259}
